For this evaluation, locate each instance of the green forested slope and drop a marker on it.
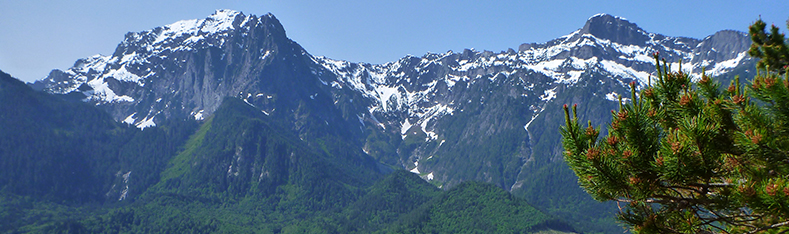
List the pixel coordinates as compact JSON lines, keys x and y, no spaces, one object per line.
{"x":68,"y":168}
{"x":399,"y":203}
{"x":61,"y":159}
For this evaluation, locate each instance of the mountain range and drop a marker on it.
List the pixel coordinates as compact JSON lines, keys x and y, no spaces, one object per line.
{"x":244,"y":111}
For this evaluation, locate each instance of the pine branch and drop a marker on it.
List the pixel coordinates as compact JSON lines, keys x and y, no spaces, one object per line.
{"x":776,"y":225}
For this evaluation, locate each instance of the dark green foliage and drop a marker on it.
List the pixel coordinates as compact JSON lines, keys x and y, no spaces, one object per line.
{"x":685,"y":157}
{"x":398,"y":203}
{"x":474,"y":207}
{"x":45,"y":150}
{"x":26,"y":214}
{"x":555,"y":188}
{"x":386,"y":201}
{"x":70,"y":151}
{"x":382,"y":146}
{"x":146,"y":153}
{"x":770,"y":47}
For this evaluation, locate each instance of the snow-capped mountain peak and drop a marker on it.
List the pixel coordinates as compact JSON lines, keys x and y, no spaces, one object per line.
{"x":605,"y":43}
{"x":439,"y":102}
{"x":162,"y":53}
{"x":615,"y":29}
{"x":220,"y":21}
{"x":604,"y":15}
{"x":416,"y":94}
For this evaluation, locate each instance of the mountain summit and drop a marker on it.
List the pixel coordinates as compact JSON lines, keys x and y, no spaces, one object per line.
{"x":185,"y":69}
{"x":615,"y":29}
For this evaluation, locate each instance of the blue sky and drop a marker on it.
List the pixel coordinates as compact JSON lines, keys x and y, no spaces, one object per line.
{"x":37,"y":36}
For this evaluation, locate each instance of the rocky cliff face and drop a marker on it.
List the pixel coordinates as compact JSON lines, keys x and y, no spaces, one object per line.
{"x":185,"y":69}
{"x":481,"y":115}
{"x":450,"y":117}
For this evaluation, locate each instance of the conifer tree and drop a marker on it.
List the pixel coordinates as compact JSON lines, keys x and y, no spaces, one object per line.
{"x":770,"y":47}
{"x":689,"y":157}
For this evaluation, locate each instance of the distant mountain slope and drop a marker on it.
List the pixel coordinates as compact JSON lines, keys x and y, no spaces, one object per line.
{"x":449,"y":117}
{"x":239,"y":152}
{"x":240,"y":171}
{"x":51,"y":147}
{"x":54,"y":151}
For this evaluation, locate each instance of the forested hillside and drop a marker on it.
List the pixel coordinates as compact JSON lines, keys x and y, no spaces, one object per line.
{"x":238,"y":171}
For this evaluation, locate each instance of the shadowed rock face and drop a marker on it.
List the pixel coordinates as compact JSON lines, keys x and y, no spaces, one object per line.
{"x":185,"y":69}
{"x":721,"y":46}
{"x":615,"y":29}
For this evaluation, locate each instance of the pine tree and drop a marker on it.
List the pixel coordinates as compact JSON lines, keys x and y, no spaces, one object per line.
{"x":689,"y":157}
{"x":770,"y":47}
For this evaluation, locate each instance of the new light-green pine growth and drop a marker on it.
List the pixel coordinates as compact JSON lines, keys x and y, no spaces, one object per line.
{"x":690,"y":157}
